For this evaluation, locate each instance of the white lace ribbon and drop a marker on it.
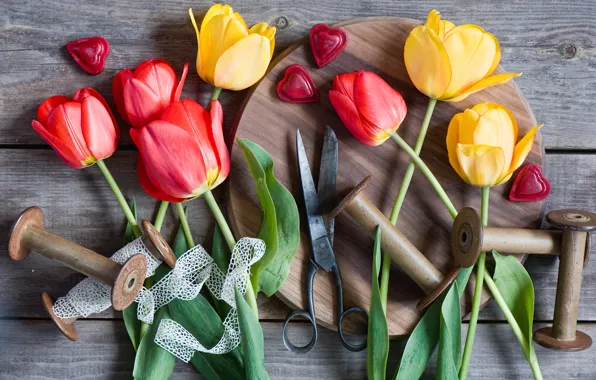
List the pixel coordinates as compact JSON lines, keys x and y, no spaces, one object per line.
{"x":91,"y":296}
{"x":174,"y":338}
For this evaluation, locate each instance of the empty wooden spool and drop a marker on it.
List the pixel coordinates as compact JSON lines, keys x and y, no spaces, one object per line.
{"x":571,"y":243}
{"x":402,"y":251}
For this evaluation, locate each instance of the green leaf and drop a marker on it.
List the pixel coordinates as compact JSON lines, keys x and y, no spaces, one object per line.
{"x":152,"y":361}
{"x":378,"y":333}
{"x":220,"y":253}
{"x":515,"y":285}
{"x":252,"y":341}
{"x":132,"y":324}
{"x":449,"y":358}
{"x":203,"y":322}
{"x":424,"y":338}
{"x":280,"y":226}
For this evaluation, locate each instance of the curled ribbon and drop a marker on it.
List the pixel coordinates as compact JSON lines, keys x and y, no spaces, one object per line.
{"x":174,"y":338}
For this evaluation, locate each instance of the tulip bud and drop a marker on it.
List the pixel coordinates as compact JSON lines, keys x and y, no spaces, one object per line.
{"x":448,"y":62}
{"x":182,"y":154}
{"x":481,"y":143}
{"x":141,"y":96}
{"x":231,"y":55}
{"x":370,"y":109}
{"x":81,"y":130}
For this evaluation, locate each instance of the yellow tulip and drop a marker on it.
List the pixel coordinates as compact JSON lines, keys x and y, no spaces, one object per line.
{"x":230,"y":55}
{"x":481,"y":144}
{"x":448,"y":62}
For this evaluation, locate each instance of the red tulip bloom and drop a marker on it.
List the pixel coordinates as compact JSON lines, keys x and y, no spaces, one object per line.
{"x":81,"y":130}
{"x":370,"y":109}
{"x":141,"y":96}
{"x":183,"y":154}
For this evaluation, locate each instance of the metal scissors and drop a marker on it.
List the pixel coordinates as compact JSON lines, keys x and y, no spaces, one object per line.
{"x":321,"y":238}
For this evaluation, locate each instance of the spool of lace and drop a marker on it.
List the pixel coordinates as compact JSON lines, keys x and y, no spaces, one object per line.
{"x":174,"y":338}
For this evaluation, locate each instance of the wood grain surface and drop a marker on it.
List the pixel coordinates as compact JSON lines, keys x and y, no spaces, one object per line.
{"x":374,"y":44}
{"x":551,"y":42}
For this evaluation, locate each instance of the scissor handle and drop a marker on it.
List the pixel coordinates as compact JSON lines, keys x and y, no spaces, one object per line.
{"x":309,"y":314}
{"x":341,"y":314}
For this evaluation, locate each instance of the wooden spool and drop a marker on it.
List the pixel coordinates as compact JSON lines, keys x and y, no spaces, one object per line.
{"x":373,"y":44}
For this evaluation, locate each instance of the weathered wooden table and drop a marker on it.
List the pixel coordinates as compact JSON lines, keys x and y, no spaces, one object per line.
{"x":552,"y":43}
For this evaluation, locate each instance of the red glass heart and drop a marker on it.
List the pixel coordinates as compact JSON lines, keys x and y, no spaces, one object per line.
{"x":297,"y":86}
{"x":326,"y":43}
{"x":90,"y":53}
{"x":529,"y":185}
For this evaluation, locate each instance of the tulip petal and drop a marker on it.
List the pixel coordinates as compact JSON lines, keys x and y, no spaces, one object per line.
{"x":482,"y":164}
{"x":142,"y":104}
{"x":218,"y":36}
{"x":452,"y":142}
{"x":118,"y":92}
{"x":466,"y":127}
{"x":64,"y":124}
{"x":427,"y":62}
{"x":159,"y":77}
{"x":471,"y":53}
{"x":172,"y":161}
{"x":98,"y":128}
{"x":484,"y":83}
{"x":497,"y":127}
{"x":243,"y":64}
{"x":218,"y":9}
{"x":88,"y":91}
{"x":180,"y":85}
{"x":190,"y":116}
{"x":522,"y":149}
{"x":62,"y":149}
{"x":149,"y":187}
{"x":223,"y":156}
{"x":265,"y":30}
{"x":45,"y":108}
{"x":381,"y":108}
{"x":433,"y":20}
{"x":348,"y":114}
{"x":344,"y":83}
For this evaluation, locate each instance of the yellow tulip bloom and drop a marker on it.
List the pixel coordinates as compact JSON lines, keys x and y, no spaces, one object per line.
{"x":481,"y":144}
{"x":230,"y":55}
{"x":448,"y":62}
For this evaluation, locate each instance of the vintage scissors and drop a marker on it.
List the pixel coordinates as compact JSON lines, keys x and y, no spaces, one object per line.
{"x":321,"y":238}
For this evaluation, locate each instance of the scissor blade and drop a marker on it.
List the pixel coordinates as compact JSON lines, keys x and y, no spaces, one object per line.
{"x":328,"y":178}
{"x":321,"y":246}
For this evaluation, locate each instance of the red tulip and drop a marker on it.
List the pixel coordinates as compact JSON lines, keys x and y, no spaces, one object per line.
{"x":183,"y":154}
{"x":81,"y":130}
{"x":370,"y":109}
{"x":141,"y":96}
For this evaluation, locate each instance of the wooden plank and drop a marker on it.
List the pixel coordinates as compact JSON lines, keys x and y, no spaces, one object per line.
{"x":549,"y":41}
{"x":36,"y":350}
{"x":80,"y":207}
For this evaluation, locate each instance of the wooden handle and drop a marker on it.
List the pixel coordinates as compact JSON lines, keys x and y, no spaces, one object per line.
{"x":522,"y":241}
{"x":72,"y":255}
{"x":402,"y":251}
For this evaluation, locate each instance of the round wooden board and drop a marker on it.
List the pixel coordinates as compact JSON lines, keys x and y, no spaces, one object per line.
{"x":377,"y":45}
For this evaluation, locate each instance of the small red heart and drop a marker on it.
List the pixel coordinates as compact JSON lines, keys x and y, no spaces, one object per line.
{"x":297,"y":86}
{"x":529,"y":185}
{"x":90,"y":53}
{"x":326,"y":43}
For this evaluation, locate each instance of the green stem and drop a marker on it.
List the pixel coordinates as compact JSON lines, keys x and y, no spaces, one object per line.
{"x":161,"y":214}
{"x":120,"y":197}
{"x":481,"y":271}
{"x":184,"y":223}
{"x":401,"y":196}
{"x":427,"y":172}
{"x":514,"y":326}
{"x":251,"y":298}
{"x":215,"y":94}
